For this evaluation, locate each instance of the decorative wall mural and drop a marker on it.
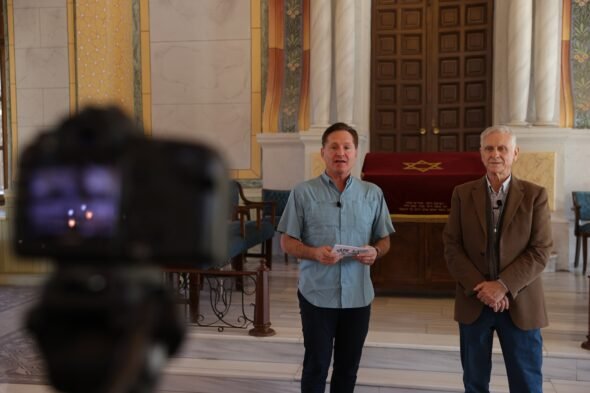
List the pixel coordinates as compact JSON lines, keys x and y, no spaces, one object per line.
{"x":286,"y":69}
{"x":580,"y":62}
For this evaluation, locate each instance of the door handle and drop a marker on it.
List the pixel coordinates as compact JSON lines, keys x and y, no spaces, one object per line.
{"x":422,"y":131}
{"x":436,"y":131}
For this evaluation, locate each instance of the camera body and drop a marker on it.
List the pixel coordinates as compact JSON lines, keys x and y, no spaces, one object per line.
{"x":108,"y":204}
{"x":97,"y":190}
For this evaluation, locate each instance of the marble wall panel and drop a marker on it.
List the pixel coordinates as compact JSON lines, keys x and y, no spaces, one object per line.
{"x":26,"y":134}
{"x":201,"y":75}
{"x":53,"y":26}
{"x":38,"y":3}
{"x":30,"y":107}
{"x":41,"y":67}
{"x":27,"y":24}
{"x":577,"y":159}
{"x":223,"y":126}
{"x":280,"y":166}
{"x":189,"y":20}
{"x":54,"y":105}
{"x":201,"y":72}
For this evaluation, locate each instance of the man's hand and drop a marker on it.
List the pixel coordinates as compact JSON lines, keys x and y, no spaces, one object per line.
{"x":490,"y":292}
{"x":502,"y":305}
{"x":325,"y":256}
{"x":367,"y":258}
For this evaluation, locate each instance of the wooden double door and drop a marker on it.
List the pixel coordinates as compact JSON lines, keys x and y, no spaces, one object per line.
{"x":431,"y":74}
{"x":431,"y":90}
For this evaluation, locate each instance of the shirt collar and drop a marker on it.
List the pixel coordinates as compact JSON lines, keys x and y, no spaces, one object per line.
{"x":328,"y":180}
{"x":503,"y":188}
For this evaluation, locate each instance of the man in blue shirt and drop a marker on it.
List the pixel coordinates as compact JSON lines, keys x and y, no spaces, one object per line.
{"x":335,"y":292}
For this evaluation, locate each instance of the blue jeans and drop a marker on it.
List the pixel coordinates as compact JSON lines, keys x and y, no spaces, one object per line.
{"x":522,"y":350}
{"x":325,"y":329}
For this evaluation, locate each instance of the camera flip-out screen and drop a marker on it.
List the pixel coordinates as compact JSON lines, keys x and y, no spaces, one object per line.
{"x":95,"y":189}
{"x":72,"y":203}
{"x":164,"y":202}
{"x":70,"y":211}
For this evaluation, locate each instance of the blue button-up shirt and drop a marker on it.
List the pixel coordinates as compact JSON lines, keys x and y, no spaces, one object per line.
{"x":318,"y":214}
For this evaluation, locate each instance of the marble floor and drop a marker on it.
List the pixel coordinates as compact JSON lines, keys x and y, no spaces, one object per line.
{"x":412,"y":345}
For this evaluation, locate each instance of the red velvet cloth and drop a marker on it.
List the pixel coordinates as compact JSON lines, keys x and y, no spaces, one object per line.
{"x":421,"y":183}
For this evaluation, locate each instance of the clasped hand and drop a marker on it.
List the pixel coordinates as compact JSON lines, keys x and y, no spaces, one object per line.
{"x":493,"y":295}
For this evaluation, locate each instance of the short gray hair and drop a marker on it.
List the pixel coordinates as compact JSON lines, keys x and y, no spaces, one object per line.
{"x":497,"y":129}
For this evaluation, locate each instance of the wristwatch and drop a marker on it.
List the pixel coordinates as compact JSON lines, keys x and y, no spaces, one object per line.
{"x":378,"y":251}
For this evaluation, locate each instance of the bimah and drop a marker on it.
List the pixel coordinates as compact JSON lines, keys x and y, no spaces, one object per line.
{"x":418,"y":189}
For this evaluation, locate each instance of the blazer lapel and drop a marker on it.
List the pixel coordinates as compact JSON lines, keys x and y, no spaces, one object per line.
{"x":515,"y":195}
{"x":478,"y":193}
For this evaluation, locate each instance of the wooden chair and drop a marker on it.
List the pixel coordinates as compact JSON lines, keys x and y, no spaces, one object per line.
{"x":247,"y":228}
{"x":279,"y":197}
{"x":256,"y":228}
{"x":581,"y":209}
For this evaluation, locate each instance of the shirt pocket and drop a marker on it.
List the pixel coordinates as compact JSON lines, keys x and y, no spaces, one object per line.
{"x":362,"y":215}
{"x":322,"y":222}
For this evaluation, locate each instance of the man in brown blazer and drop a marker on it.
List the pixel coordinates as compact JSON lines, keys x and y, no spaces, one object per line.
{"x":497,"y":243}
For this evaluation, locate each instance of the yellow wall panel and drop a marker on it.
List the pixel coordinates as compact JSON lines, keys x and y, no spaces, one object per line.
{"x":104,"y":53}
{"x":256,"y":113}
{"x":256,"y":155}
{"x":539,"y":168}
{"x":317,"y":164}
{"x":147,"y":113}
{"x":144,"y":15}
{"x":256,"y":61}
{"x":255,"y":13}
{"x":12,"y":87}
{"x":146,"y":70}
{"x":256,"y":101}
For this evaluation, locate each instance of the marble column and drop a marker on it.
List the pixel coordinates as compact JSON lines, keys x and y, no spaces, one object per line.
{"x":546,"y":58}
{"x":321,"y":63}
{"x":520,"y":26}
{"x":344,"y":51}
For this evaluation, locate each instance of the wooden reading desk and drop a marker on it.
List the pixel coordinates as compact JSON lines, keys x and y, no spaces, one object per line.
{"x":418,"y":188}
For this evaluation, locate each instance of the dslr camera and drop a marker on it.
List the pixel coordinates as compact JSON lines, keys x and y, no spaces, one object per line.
{"x":110,"y":206}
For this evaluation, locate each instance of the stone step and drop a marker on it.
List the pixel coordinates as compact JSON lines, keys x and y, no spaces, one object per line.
{"x":383,"y":350}
{"x":221,"y":376}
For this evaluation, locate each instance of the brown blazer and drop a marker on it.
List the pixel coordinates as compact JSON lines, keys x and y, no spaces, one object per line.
{"x":525,"y":246}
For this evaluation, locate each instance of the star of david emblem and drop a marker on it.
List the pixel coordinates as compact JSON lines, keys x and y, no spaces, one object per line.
{"x":422,"y":166}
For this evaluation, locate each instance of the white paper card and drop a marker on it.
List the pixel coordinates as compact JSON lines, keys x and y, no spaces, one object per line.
{"x":349,"y":251}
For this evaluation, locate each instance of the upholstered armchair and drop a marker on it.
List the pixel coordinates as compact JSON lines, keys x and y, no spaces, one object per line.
{"x":582,"y":225}
{"x":279,"y":197}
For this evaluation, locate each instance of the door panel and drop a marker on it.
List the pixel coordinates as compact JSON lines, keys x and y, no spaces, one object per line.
{"x":431,"y":82}
{"x":462,"y":107}
{"x":399,"y":74}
